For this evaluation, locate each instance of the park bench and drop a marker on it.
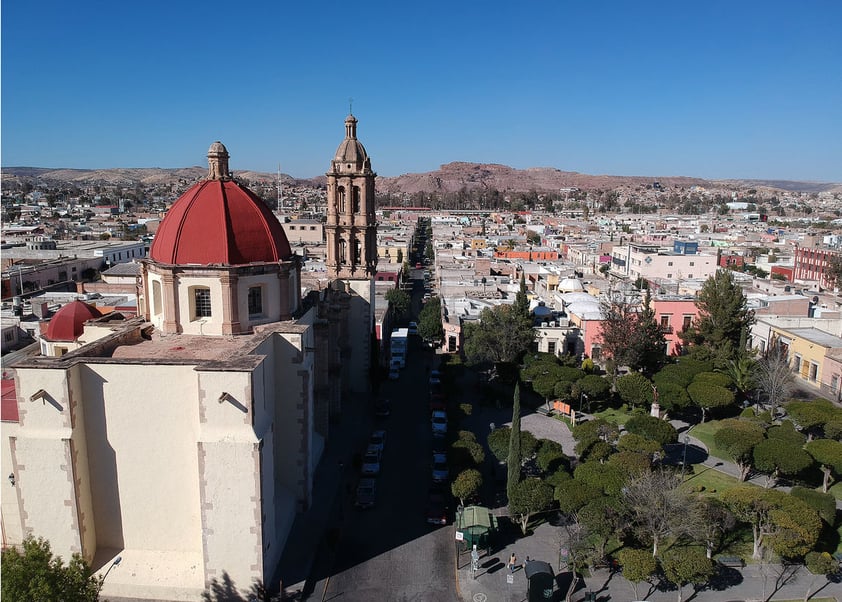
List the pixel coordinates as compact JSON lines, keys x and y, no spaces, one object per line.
{"x":731,"y":561}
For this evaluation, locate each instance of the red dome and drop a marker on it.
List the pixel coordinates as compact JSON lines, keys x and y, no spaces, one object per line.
{"x":219,"y":222}
{"x":68,"y":323}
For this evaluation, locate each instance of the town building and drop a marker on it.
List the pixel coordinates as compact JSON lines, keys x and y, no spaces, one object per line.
{"x":185,"y":440}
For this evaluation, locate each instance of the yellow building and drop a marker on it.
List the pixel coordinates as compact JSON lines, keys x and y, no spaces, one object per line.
{"x":807,"y":349}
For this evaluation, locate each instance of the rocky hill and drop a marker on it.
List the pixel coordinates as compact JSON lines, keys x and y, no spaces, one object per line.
{"x":449,"y":178}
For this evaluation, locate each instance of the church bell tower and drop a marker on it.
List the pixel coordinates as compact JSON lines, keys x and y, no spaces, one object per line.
{"x":351,"y":227}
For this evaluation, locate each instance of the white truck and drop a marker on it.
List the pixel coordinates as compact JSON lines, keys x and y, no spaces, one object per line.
{"x":398,"y":344}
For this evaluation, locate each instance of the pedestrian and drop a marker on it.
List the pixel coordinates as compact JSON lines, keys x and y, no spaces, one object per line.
{"x":512,"y":562}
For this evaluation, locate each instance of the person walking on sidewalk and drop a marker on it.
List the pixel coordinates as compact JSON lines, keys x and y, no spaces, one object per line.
{"x":512,"y":562}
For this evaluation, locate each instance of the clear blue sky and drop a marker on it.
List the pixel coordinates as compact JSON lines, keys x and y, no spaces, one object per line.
{"x":709,"y":88}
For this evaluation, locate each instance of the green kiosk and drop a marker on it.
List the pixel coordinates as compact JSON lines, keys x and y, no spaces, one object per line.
{"x":476,"y":524}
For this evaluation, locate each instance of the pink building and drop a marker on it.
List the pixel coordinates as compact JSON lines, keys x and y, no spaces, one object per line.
{"x":674,"y":316}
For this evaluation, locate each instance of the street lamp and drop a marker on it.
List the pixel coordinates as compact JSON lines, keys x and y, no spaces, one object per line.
{"x":582,"y":396}
{"x":686,"y":440}
{"x":117,"y":561}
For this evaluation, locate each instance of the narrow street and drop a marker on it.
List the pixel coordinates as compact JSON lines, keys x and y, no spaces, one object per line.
{"x":390,"y":552}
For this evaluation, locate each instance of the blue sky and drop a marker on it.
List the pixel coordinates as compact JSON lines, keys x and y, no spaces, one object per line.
{"x":711,"y":88}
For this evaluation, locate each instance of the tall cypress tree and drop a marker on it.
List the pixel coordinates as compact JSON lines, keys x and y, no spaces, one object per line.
{"x":514,"y":459}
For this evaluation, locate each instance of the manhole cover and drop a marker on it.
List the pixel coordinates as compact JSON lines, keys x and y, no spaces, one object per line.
{"x":480,"y":597}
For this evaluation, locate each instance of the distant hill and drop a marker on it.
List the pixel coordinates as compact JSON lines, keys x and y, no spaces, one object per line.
{"x":451,"y":177}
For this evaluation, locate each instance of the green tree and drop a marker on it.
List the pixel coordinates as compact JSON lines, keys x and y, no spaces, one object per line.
{"x":398,"y":300}
{"x":639,"y":444}
{"x":502,"y":336}
{"x":635,"y":389}
{"x":709,"y":397}
{"x":742,"y":373}
{"x":595,"y":387}
{"x":550,"y":456}
{"x":828,"y":454}
{"x":777,"y":457}
{"x":724,"y":319}
{"x":738,"y":437}
{"x":819,"y":564}
{"x":823,"y":503}
{"x":527,"y":498}
{"x":787,"y":524}
{"x":466,"y":484}
{"x":466,"y":454}
{"x":572,"y":495}
{"x":812,"y":416}
{"x":35,"y":574}
{"x":429,"y":321}
{"x":683,"y":565}
{"x":498,"y":442}
{"x":638,"y":566}
{"x":652,"y":428}
{"x":608,"y":478}
{"x":515,"y":458}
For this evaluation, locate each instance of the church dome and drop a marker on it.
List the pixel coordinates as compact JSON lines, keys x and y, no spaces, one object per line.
{"x":350,"y":149}
{"x":68,"y":323}
{"x":218,"y":221}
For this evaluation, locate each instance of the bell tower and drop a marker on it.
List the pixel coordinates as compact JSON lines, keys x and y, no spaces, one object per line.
{"x":351,"y":227}
{"x":351,"y":231}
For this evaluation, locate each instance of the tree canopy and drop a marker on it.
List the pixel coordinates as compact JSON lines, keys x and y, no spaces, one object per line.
{"x":35,"y":574}
{"x":502,"y":335}
{"x":724,"y":319}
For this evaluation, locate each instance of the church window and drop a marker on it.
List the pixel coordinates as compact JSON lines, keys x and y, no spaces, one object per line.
{"x":355,"y":196}
{"x":340,"y":194}
{"x":357,"y":248}
{"x":202,"y":301}
{"x":342,"y":251}
{"x":255,"y":301}
{"x":156,"y":297}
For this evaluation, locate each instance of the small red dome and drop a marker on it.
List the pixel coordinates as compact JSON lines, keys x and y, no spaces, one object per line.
{"x":68,"y":323}
{"x":218,"y":221}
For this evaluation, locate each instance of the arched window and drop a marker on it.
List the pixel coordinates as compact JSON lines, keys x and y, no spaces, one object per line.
{"x":357,"y":248}
{"x":342,"y":251}
{"x":340,"y":198}
{"x":355,"y":196}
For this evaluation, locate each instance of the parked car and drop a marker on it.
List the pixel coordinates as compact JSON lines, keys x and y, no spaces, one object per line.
{"x":440,"y":470}
{"x":439,"y":423}
{"x":437,"y":402}
{"x":394,"y":374}
{"x":435,"y":381}
{"x":383,"y":408}
{"x":412,"y":328}
{"x":377,"y":440}
{"x":366,"y":493}
{"x":437,"y":507}
{"x":371,"y":462}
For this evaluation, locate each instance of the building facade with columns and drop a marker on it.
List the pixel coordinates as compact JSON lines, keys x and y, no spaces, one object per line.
{"x":185,"y":440}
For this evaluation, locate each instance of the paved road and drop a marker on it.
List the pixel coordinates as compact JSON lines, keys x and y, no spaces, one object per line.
{"x":389,"y":552}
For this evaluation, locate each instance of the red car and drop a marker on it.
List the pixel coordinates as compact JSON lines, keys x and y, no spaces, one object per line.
{"x":437,"y":507}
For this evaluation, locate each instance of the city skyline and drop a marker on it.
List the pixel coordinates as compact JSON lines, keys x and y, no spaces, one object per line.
{"x":713,"y":91}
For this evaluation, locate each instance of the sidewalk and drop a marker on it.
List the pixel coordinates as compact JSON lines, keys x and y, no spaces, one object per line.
{"x":308,"y":548}
{"x":752,"y":583}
